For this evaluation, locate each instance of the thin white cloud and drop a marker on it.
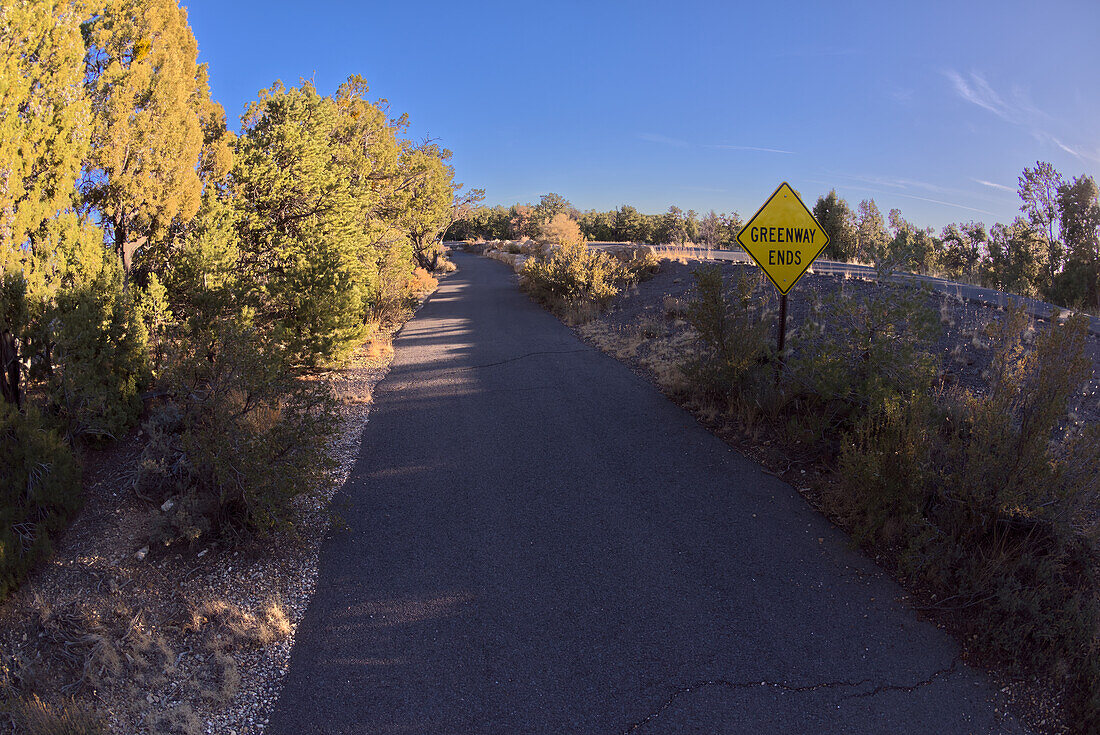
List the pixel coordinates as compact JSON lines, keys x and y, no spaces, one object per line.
{"x":902,"y":95}
{"x":992,"y":185}
{"x":873,"y":190}
{"x":662,"y":139}
{"x":1016,"y":109}
{"x":724,"y":147}
{"x":895,"y":182}
{"x":976,"y":90}
{"x":948,"y":204}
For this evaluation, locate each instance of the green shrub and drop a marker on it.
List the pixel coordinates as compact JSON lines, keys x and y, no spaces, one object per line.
{"x":236,"y":442}
{"x":39,"y":492}
{"x":639,"y":264}
{"x":100,"y":356}
{"x":991,"y":500}
{"x":885,"y":470}
{"x":855,"y":355}
{"x":572,"y":275}
{"x":733,"y":336}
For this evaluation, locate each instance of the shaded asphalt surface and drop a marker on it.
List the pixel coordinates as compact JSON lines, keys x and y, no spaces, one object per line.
{"x":538,"y":541}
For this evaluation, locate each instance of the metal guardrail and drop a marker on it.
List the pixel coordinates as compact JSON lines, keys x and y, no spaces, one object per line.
{"x":967,"y":292}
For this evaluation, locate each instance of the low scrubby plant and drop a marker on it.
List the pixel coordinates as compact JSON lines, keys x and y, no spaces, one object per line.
{"x":990,"y":499}
{"x":854,"y":356}
{"x":572,"y":277}
{"x":639,"y":264}
{"x":39,"y":491}
{"x":236,"y":441}
{"x":733,"y":346}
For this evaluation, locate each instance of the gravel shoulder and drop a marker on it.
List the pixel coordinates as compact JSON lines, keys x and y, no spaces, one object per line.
{"x":174,"y":641}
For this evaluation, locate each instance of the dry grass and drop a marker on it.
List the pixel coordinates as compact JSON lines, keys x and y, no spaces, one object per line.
{"x":83,"y":647}
{"x":178,"y":720}
{"x":224,"y":626}
{"x":32,"y":716}
{"x":675,"y":308}
{"x":658,"y":347}
{"x":378,"y":348}
{"x":421,"y":282}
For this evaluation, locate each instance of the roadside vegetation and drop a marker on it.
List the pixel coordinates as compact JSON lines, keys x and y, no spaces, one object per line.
{"x":576,"y":282}
{"x":1050,"y":252}
{"x":982,"y":496}
{"x":160,"y":272}
{"x":985,"y":498}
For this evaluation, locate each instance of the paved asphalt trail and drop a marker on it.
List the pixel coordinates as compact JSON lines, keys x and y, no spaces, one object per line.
{"x":539,"y":542}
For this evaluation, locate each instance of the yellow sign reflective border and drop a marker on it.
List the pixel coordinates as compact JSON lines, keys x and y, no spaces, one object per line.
{"x":783,"y":237}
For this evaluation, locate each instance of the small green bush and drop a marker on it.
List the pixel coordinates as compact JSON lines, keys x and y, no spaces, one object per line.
{"x":572,"y":275}
{"x":100,"y":354}
{"x":639,"y":264}
{"x":733,"y":337}
{"x":39,"y":492}
{"x":990,"y":499}
{"x":885,"y":470}
{"x":236,"y":442}
{"x":856,"y":355}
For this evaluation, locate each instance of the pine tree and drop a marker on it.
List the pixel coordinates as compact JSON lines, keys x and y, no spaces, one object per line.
{"x":424,"y":203}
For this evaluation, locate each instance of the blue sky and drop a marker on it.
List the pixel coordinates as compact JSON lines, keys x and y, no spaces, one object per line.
{"x":933,"y":108}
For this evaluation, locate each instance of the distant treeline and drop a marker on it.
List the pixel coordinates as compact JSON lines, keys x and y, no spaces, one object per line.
{"x":1051,"y":251}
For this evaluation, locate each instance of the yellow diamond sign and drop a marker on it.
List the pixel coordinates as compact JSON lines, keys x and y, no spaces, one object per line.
{"x":783,"y":238}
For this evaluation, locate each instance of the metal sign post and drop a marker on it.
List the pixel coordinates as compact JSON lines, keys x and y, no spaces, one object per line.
{"x":783,"y":238}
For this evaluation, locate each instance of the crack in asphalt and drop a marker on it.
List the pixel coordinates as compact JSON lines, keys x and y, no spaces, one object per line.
{"x":726,"y":684}
{"x":521,"y":357}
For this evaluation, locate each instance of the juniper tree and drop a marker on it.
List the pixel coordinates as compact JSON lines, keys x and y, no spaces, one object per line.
{"x":835,"y":217}
{"x":152,"y":118}
{"x":1080,"y":223}
{"x":424,"y":203}
{"x":43,"y":141}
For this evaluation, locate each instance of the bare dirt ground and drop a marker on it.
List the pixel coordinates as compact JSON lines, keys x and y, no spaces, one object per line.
{"x":172,"y":641}
{"x":645,"y":328}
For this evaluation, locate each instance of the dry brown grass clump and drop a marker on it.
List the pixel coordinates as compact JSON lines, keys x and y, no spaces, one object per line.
{"x":32,"y":716}
{"x":421,"y":282}
{"x":379,"y":348}
{"x":224,"y":625}
{"x":178,"y":720}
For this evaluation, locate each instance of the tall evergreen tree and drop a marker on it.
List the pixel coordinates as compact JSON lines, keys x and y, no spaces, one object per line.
{"x":835,"y":217}
{"x":1080,"y":221}
{"x":871,"y":236}
{"x":152,"y":117}
{"x":424,"y":201}
{"x":43,"y":141}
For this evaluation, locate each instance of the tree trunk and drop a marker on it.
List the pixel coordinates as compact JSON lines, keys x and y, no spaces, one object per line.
{"x":9,"y":370}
